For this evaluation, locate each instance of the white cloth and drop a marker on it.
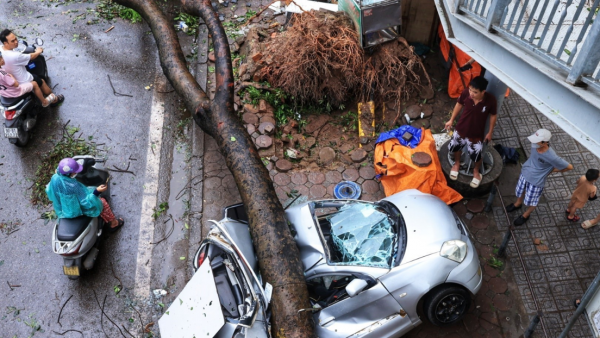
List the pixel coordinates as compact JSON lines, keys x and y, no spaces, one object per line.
{"x":15,"y":63}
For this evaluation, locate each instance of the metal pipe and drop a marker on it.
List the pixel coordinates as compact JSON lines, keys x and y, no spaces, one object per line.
{"x":539,"y":20}
{"x":589,"y":57}
{"x":535,"y":300}
{"x":528,"y":23}
{"x":587,"y":297}
{"x":532,"y":325}
{"x":491,"y":197}
{"x":584,"y":29}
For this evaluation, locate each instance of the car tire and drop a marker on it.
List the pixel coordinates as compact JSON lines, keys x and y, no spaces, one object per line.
{"x":446,"y":304}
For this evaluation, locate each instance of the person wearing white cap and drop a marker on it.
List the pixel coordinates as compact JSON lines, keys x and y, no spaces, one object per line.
{"x":542,"y":162}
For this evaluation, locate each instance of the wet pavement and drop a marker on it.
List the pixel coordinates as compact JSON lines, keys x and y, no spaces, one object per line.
{"x":79,"y":57}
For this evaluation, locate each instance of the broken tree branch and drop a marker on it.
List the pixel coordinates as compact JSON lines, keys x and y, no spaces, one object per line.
{"x":64,"y":333}
{"x":115,"y":93}
{"x":61,"y":310}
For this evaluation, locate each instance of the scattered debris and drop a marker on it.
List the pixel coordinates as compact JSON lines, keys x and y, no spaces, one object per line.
{"x":110,"y":29}
{"x":115,"y":93}
{"x":61,"y":310}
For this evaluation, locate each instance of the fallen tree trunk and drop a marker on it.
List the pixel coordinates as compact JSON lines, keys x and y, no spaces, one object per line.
{"x":277,"y":252}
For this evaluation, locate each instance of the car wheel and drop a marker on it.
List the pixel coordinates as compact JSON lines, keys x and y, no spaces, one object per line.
{"x":446,"y":305}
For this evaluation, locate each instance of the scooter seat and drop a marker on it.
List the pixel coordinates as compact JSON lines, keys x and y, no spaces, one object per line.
{"x":10,"y":101}
{"x":70,"y":228}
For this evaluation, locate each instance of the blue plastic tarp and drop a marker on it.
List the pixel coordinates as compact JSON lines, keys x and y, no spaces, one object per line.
{"x":398,"y":132}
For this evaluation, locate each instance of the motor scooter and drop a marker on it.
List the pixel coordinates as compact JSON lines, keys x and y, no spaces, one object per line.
{"x":20,"y":113}
{"x":77,"y":239}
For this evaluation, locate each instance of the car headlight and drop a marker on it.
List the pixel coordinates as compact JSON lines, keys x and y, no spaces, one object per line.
{"x":455,"y":250}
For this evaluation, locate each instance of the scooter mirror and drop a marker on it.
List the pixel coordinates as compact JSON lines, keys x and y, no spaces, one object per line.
{"x":39,"y":41}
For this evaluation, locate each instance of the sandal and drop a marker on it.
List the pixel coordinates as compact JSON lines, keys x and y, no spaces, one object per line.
{"x":50,"y":98}
{"x":574,"y":219}
{"x":453,"y":175}
{"x":119,"y":225}
{"x":475,"y":183}
{"x":59,"y":99}
{"x":587,"y":224}
{"x":567,"y":211}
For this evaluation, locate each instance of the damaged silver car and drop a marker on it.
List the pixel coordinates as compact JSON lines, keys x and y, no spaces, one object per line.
{"x":372,"y":269}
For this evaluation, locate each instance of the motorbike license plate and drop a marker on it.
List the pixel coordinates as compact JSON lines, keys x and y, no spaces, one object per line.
{"x":11,"y":132}
{"x":71,"y":270}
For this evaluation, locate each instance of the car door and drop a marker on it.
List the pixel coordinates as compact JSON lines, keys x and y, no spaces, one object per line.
{"x":370,"y":313}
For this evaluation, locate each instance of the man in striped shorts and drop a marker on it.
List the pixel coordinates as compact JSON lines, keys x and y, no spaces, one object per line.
{"x":542,"y":162}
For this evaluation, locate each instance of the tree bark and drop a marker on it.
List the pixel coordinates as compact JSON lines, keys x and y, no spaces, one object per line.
{"x":277,"y":253}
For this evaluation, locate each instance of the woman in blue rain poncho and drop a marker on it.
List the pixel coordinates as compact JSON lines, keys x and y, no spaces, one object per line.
{"x":71,"y":198}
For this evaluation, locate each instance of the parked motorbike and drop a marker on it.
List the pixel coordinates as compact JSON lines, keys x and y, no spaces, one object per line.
{"x":77,"y":239}
{"x":20,"y":113}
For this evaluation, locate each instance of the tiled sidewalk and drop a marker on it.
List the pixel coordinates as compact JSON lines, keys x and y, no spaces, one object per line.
{"x":565,"y":260}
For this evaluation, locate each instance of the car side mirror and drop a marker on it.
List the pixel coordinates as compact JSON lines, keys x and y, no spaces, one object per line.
{"x":356,"y":286}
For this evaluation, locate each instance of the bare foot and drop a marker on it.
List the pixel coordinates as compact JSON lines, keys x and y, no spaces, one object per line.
{"x":456,"y":166}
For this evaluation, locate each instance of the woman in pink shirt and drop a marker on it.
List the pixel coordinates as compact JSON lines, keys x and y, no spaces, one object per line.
{"x":10,"y":87}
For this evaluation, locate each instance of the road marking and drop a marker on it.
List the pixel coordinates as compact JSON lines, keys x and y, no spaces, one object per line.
{"x":146,"y":234}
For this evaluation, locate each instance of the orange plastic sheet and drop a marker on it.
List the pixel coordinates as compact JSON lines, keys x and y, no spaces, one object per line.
{"x":455,"y":85}
{"x":393,"y":162}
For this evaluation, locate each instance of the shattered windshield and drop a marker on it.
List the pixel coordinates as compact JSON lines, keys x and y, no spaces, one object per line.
{"x":361,"y":234}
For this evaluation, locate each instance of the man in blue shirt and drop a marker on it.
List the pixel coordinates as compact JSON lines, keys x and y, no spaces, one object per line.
{"x":542,"y":162}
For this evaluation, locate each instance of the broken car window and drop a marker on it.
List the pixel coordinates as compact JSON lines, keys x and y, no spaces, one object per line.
{"x":361,"y":234}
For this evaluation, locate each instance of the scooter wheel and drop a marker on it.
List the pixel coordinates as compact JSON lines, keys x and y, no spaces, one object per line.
{"x":73,"y":277}
{"x":23,"y":138}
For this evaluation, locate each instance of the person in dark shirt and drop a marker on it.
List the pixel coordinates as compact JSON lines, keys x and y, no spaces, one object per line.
{"x":476,"y":105}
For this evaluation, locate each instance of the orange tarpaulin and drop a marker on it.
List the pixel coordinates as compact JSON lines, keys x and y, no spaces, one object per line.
{"x":393,"y":162}
{"x":455,"y":85}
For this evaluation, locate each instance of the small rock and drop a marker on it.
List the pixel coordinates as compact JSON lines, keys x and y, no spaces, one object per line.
{"x":249,"y":108}
{"x":211,"y":56}
{"x":469,"y":216}
{"x":263,"y":141}
{"x":250,"y":128}
{"x":240,"y":39}
{"x":290,"y":126}
{"x":537,"y":241}
{"x":414,"y":112}
{"x":256,"y":57}
{"x":358,"y":155}
{"x":255,"y":135}
{"x":274,"y":158}
{"x":364,"y":140}
{"x":266,"y":128}
{"x":225,"y":4}
{"x":285,"y":138}
{"x":421,"y":159}
{"x":326,"y":156}
{"x":310,"y":142}
{"x":214,"y":6}
{"x":233,"y":1}
{"x":234,"y":47}
{"x":248,"y":4}
{"x":221,"y":18}
{"x":250,"y":118}
{"x":235,"y":63}
{"x":262,"y":106}
{"x":256,"y":77}
{"x":283,"y":165}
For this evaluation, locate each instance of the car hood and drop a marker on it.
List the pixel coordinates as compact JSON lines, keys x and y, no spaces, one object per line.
{"x":429,"y":223}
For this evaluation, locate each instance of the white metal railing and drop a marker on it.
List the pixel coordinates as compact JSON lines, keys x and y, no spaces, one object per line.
{"x":564,"y":32}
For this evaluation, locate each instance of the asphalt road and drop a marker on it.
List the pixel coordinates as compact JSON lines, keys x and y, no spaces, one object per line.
{"x":80,"y":57}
